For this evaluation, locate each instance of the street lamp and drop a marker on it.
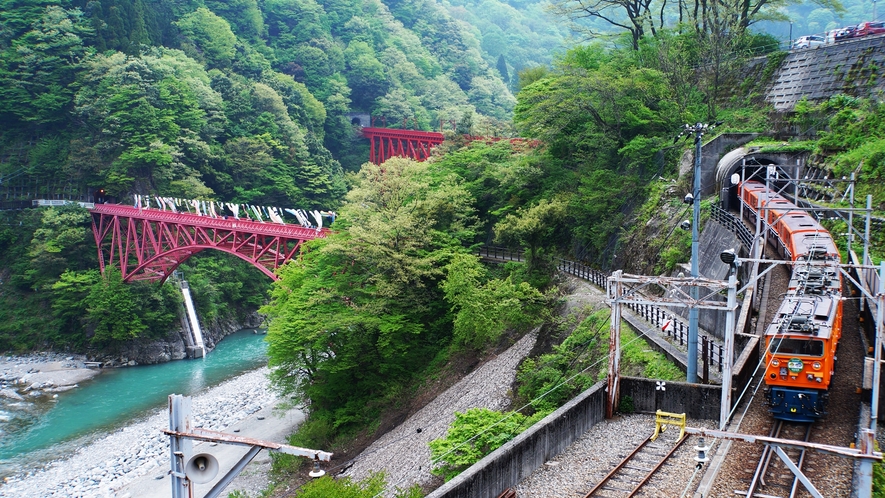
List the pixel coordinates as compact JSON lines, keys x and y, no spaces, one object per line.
{"x":791,"y":34}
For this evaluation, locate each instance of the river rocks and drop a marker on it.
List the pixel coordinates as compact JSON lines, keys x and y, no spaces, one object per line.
{"x":106,"y":466}
{"x":39,"y":374}
{"x":9,"y":393}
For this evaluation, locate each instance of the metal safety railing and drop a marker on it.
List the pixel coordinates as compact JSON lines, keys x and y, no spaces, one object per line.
{"x":675,"y":329}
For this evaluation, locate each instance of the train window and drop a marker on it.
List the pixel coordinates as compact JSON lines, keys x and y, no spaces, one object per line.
{"x":798,"y":347}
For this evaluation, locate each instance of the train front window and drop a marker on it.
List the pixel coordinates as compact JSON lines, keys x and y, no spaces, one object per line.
{"x":799,"y":347}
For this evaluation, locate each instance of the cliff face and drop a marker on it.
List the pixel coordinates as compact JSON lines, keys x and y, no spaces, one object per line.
{"x":174,"y":345}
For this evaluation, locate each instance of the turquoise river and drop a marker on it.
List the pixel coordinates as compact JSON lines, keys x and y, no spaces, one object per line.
{"x":37,"y":431}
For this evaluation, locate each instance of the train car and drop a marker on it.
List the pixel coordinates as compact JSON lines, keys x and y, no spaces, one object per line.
{"x":802,"y":339}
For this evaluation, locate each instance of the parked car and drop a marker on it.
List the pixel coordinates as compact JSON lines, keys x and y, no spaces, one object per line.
{"x":810,"y":41}
{"x":869,"y":28}
{"x":845,"y":33}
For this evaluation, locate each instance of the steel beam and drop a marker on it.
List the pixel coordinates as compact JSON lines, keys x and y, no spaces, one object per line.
{"x":181,"y":435}
{"x":149,"y":244}
{"x":865,"y":452}
{"x":233,"y":473}
{"x":797,"y":472}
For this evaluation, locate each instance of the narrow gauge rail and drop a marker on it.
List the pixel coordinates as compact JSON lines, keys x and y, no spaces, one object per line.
{"x":780,"y":481}
{"x":635,"y":469}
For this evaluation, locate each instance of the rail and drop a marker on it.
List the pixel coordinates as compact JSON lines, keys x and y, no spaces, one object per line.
{"x":623,"y":472}
{"x":675,"y":329}
{"x":762,"y":468}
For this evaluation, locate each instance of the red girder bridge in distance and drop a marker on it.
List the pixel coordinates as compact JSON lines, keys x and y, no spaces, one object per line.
{"x":415,"y":144}
{"x":391,"y":142}
{"x":149,"y":244}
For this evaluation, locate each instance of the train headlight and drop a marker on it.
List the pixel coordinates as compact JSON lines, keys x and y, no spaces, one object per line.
{"x":775,"y":362}
{"x":816,"y":365}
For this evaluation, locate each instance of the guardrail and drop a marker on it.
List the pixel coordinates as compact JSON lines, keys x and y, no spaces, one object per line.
{"x":676,"y":329}
{"x":61,"y":202}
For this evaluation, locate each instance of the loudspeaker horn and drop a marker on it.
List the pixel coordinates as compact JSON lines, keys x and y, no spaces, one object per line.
{"x":201,"y":468}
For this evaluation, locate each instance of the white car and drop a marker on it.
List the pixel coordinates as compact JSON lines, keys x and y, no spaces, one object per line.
{"x":810,"y":41}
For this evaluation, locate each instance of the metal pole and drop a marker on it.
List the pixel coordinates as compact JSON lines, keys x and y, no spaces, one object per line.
{"x":728,"y":354}
{"x":180,"y":449}
{"x":866,"y":441}
{"x":851,"y":214}
{"x":877,"y":367}
{"x":614,"y":344}
{"x":692,"y":370}
{"x":743,"y":179}
{"x":866,"y":232}
{"x":863,"y":273}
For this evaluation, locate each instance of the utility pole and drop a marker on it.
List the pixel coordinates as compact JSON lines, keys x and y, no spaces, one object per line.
{"x":698,"y":130}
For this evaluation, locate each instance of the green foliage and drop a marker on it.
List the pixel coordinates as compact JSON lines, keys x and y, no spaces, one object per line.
{"x":533,"y":228}
{"x":550,"y":380}
{"x":122,"y":311}
{"x":484,"y":309}
{"x":224,"y":287}
{"x":553,"y":378}
{"x":472,"y":435}
{"x":326,"y":486}
{"x":878,"y":477}
{"x":370,"y":487}
{"x":38,"y":69}
{"x":209,"y":38}
{"x":361,"y":310}
{"x":638,"y":359}
{"x":626,"y":405}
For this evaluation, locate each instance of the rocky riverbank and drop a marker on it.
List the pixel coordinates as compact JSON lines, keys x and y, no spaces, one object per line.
{"x":107,"y":466}
{"x":42,"y":374}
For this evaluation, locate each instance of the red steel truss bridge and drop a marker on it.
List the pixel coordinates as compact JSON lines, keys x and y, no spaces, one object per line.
{"x":394,"y":142}
{"x":149,"y":244}
{"x":391,"y":142}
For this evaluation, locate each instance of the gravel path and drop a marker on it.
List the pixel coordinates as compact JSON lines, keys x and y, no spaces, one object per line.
{"x":404,"y":454}
{"x":107,"y":465}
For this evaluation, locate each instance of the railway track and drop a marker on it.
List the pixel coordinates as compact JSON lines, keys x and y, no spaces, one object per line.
{"x":628,"y":477}
{"x":772,"y":477}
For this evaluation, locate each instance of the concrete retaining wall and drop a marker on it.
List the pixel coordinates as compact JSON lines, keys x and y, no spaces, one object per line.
{"x":695,"y":400}
{"x":714,"y":239}
{"x":849,"y":67}
{"x":511,"y":463}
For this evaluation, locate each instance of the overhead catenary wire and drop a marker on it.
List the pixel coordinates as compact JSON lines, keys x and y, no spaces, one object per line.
{"x":439,"y":458}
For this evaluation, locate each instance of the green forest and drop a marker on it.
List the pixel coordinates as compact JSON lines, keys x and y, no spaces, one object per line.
{"x":252,"y":101}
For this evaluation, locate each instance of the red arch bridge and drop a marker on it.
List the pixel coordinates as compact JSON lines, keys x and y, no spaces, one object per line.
{"x":149,"y":244}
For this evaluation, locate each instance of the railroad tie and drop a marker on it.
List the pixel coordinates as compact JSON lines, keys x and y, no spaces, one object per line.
{"x":641,"y":469}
